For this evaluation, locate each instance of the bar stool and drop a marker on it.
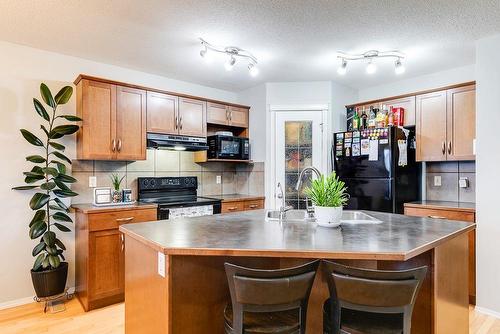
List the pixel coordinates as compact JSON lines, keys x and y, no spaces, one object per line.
{"x":268,"y":301}
{"x":370,"y":301}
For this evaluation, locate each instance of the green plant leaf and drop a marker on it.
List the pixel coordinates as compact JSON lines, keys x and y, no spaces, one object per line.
{"x":44,"y":130}
{"x":64,"y":94}
{"x":50,"y":171}
{"x":61,"y":204}
{"x":33,"y":179}
{"x":38,"y":248}
{"x":62,"y":156}
{"x":48,"y":185}
{"x":47,"y":95}
{"x":49,"y":238}
{"x":61,"y":168}
{"x":37,"y":170}
{"x":52,"y":250}
{"x":37,"y":229}
{"x":64,"y":193}
{"x":41,"y":110}
{"x":71,"y":118}
{"x":57,"y":146}
{"x":62,"y":228}
{"x":61,"y":185}
{"x":35,"y":159}
{"x":38,"y":200}
{"x":38,"y":262}
{"x":38,"y":217}
{"x":31,"y":138}
{"x":60,"y":253}
{"x":24,"y":187}
{"x":60,"y":244}
{"x":62,"y":217}
{"x":63,"y":130}
{"x":66,"y":178}
{"x":45,"y":262}
{"x":54,"y":261}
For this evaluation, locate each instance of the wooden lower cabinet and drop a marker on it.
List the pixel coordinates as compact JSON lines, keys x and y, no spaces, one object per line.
{"x":243,"y":205}
{"x":448,"y":213}
{"x":100,"y":262}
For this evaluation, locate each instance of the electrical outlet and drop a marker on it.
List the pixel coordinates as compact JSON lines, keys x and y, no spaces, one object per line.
{"x":437,"y":181}
{"x":218,"y":179}
{"x":463,"y":182}
{"x":92,"y":181}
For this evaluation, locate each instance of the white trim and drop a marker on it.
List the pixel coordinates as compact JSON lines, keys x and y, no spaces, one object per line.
{"x":302,"y":107}
{"x":487,"y":312}
{"x":24,"y":301}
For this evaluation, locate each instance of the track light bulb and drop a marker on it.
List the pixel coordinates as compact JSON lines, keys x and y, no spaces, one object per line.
{"x":206,"y":55}
{"x":399,"y":67}
{"x":230,"y":63}
{"x":253,"y":69}
{"x":371,"y":68}
{"x":342,"y":70}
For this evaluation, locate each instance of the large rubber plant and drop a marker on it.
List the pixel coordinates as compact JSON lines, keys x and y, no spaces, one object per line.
{"x":49,"y":179}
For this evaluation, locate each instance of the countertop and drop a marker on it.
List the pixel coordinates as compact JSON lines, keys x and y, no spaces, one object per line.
{"x":238,"y":197}
{"x":89,"y":208}
{"x":247,"y":233}
{"x":443,"y":205}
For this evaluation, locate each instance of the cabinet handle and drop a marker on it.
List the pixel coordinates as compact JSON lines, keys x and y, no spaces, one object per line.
{"x":119,"y":145}
{"x":436,"y":217}
{"x":121,"y":220}
{"x":113,"y":145}
{"x":231,"y":115}
{"x":176,"y":123}
{"x":449,"y":147}
{"x":443,"y":147}
{"x":253,"y":206}
{"x":180,"y":122}
{"x":123,"y":241}
{"x":227,"y":114}
{"x":232,"y":208}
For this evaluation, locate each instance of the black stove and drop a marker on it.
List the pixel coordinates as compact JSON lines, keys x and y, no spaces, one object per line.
{"x":176,"y":197}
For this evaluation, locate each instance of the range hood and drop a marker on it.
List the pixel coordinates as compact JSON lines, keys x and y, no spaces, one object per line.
{"x":176,"y":142}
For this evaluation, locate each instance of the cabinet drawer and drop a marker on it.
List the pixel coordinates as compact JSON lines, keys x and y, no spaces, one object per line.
{"x":444,"y":214}
{"x":232,"y":207}
{"x":112,"y":220}
{"x":254,"y":205}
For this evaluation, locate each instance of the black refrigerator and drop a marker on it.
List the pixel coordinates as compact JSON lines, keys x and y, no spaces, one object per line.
{"x":372,"y":164}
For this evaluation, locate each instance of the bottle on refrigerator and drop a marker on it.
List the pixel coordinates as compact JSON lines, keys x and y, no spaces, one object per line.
{"x":356,"y":121}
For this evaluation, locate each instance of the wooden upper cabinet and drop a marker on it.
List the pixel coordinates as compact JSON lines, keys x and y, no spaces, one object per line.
{"x":192,"y":117}
{"x":238,"y":117}
{"x":130,"y":124}
{"x":217,"y":113}
{"x":431,"y":126}
{"x":96,"y":105}
{"x":461,"y":123}
{"x":162,"y":113}
{"x":408,"y":104}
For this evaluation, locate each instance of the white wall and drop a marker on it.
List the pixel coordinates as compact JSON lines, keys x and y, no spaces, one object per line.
{"x":487,"y":180}
{"x":22,"y":69}
{"x":430,"y":81}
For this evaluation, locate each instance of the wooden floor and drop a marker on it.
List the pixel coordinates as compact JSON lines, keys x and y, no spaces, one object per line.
{"x":30,"y":319}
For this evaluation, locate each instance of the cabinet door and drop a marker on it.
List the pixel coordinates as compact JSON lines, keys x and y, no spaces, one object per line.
{"x":431,"y":126}
{"x":461,"y":122}
{"x":162,"y":113}
{"x":192,"y":117}
{"x":217,"y":113}
{"x":238,"y":117}
{"x":408,"y":104}
{"x":106,"y":265}
{"x":96,"y":139}
{"x":131,"y":124}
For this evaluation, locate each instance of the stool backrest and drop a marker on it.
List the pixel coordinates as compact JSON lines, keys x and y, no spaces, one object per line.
{"x":374,"y":291}
{"x":258,"y":290}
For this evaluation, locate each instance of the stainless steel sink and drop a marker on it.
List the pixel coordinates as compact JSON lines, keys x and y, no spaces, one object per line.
{"x":357,"y":217}
{"x":290,"y":215}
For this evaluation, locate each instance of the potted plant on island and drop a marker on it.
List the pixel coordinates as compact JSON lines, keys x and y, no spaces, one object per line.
{"x":48,"y":177}
{"x":328,"y":195}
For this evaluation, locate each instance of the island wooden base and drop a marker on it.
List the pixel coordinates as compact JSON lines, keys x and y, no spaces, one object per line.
{"x":191,"y":297}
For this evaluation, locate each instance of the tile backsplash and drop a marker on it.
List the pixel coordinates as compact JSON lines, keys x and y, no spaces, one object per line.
{"x":450,"y":172}
{"x":236,"y":178}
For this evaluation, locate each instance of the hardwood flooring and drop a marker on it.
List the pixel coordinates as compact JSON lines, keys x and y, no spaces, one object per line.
{"x":30,"y":319}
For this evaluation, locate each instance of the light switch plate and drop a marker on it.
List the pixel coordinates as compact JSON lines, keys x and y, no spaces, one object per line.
{"x":92,"y":181}
{"x":161,"y":264}
{"x":218,"y":179}
{"x":463,"y":182}
{"x":437,"y":181}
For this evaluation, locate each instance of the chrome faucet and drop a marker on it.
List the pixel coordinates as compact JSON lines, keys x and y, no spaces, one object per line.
{"x":298,"y":186}
{"x":283,"y":208}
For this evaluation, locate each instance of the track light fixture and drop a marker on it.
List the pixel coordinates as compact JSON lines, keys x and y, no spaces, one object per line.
{"x":233,"y":54}
{"x":370,"y":56}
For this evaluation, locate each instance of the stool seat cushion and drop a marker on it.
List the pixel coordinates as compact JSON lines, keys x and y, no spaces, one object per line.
{"x":285,"y":322}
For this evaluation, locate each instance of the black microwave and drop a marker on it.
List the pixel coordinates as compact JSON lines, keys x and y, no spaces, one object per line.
{"x":228,"y":147}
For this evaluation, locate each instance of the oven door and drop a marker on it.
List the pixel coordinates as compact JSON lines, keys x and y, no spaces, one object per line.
{"x":166,"y":213}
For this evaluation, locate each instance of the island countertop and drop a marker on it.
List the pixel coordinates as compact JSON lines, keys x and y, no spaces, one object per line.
{"x":398,"y":237}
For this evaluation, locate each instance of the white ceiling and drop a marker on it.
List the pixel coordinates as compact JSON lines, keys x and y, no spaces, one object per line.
{"x":294,"y":40}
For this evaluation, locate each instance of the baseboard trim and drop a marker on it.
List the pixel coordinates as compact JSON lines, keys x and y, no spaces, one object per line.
{"x":487,"y":312}
{"x":23,"y":301}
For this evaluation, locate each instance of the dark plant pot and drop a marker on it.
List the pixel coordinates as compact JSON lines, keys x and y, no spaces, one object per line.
{"x":50,"y":282}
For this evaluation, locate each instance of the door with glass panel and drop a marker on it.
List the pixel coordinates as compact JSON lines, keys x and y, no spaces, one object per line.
{"x":299,"y":143}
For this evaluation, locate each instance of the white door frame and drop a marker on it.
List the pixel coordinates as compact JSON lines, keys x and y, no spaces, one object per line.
{"x":271,"y":166}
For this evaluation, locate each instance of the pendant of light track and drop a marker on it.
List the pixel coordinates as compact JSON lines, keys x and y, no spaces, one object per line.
{"x":233,"y":54}
{"x":370,"y":57}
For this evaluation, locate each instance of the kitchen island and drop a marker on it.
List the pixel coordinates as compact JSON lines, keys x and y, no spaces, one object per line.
{"x":175,"y":281}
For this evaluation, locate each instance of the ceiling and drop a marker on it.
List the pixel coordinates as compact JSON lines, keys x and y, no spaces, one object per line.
{"x":294,"y":40}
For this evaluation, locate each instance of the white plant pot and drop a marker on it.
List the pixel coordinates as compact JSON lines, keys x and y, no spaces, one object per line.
{"x":328,"y":216}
